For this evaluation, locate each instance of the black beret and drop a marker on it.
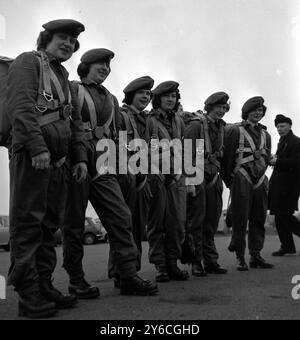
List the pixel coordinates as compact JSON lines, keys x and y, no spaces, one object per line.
{"x":217,"y":98}
{"x":282,"y":119}
{"x":166,"y":87}
{"x":69,"y":26}
{"x":96,"y":55}
{"x":253,"y":104}
{"x":144,"y":83}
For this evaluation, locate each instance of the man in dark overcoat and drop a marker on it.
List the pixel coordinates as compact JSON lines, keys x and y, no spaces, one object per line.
{"x":285,"y":185}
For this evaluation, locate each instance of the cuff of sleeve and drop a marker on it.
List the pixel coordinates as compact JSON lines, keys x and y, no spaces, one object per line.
{"x":36,"y":147}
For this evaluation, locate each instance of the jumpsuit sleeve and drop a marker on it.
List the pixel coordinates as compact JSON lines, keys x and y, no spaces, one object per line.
{"x":78,"y":151}
{"x":231,"y":144}
{"x":23,"y":84}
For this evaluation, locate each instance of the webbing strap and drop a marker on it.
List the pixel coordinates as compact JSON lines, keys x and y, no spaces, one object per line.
{"x":133,"y":124}
{"x":83,"y":94}
{"x":58,"y":87}
{"x":245,"y":174}
{"x":208,"y":147}
{"x":48,"y":118}
{"x":212,"y":182}
{"x":159,"y":124}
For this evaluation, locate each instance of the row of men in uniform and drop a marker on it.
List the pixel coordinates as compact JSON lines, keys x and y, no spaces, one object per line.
{"x":56,"y":126}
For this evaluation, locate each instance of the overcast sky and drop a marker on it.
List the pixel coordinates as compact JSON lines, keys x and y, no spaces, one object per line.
{"x":242,"y":47}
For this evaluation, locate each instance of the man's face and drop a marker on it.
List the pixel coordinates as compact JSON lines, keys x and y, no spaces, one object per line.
{"x":141,"y":99}
{"x":61,"y":46}
{"x":256,"y":115}
{"x":218,"y":111}
{"x":283,"y":129}
{"x":168,"y":101}
{"x":99,"y":72}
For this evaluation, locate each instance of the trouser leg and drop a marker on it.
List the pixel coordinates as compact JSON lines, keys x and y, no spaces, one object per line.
{"x":257,"y":218}
{"x":212,"y":215}
{"x":28,"y":206}
{"x":175,"y":220}
{"x":195,"y":218}
{"x":54,"y":218}
{"x":155,"y":227}
{"x":73,"y":229}
{"x":107,"y":200}
{"x":284,"y":233}
{"x":241,"y":199}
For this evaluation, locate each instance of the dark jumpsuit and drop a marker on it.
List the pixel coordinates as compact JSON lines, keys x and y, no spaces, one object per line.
{"x":37,"y":197}
{"x":103,"y":192}
{"x":248,"y":186}
{"x":167,"y":212}
{"x":204,"y":209}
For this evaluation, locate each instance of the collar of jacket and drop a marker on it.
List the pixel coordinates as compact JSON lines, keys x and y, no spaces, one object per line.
{"x":88,"y":82}
{"x":286,"y":137}
{"x":260,"y":126}
{"x":218,"y":122}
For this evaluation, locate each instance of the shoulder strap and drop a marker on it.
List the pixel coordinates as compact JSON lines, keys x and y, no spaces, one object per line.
{"x":84,"y":95}
{"x":207,"y":141}
{"x":161,"y":127}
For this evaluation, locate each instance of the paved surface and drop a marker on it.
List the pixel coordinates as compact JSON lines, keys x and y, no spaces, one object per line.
{"x":257,"y":294}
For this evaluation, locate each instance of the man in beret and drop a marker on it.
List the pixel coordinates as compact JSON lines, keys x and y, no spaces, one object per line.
{"x":100,"y":114}
{"x":247,"y":150}
{"x":135,"y":187}
{"x":204,"y":201}
{"x":47,"y":138}
{"x":167,"y":209}
{"x":284,"y":188}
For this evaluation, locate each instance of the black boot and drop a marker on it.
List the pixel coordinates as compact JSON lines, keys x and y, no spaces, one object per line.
{"x":257,"y":261}
{"x":54,"y":295}
{"x":83,"y":290}
{"x":35,"y":306}
{"x":241,"y":264}
{"x":162,"y":274}
{"x":215,"y":268}
{"x":137,"y":286}
{"x":198,"y":270}
{"x":177,"y":274}
{"x":282,"y":252}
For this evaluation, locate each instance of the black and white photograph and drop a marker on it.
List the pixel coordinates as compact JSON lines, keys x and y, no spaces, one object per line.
{"x":149,"y":162}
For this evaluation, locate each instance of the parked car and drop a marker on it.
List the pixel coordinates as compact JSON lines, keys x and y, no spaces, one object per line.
{"x":93,"y":232}
{"x":4,"y":232}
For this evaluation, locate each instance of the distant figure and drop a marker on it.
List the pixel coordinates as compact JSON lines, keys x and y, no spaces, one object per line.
{"x":285,"y":186}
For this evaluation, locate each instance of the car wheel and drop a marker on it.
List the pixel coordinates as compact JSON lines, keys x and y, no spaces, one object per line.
{"x":89,"y":239}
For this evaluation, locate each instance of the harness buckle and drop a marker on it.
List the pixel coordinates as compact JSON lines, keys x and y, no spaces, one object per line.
{"x":48,"y":96}
{"x":66,"y":111}
{"x":257,"y":154}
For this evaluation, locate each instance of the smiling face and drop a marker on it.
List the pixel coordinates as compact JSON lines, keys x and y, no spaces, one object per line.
{"x":61,"y":46}
{"x":99,"y":72}
{"x":218,"y":111}
{"x":256,"y":115}
{"x":168,"y":101}
{"x":141,"y":99}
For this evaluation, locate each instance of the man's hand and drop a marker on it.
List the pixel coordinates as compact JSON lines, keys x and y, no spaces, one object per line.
{"x":79,"y":172}
{"x":41,"y":161}
{"x":273,"y":160}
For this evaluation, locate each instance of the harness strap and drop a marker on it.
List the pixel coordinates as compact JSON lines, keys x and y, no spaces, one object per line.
{"x":49,"y":118}
{"x":246,"y":175}
{"x":212,"y":182}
